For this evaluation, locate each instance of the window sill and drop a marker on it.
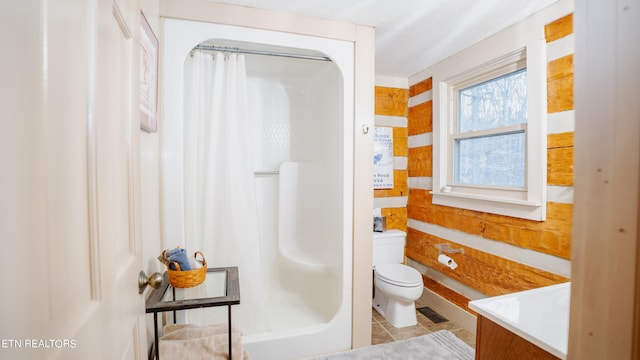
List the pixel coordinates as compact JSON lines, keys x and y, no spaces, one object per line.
{"x":525,"y":209}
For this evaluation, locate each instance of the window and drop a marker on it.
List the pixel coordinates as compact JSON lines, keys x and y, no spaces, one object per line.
{"x":489,"y":132}
{"x":489,"y":152}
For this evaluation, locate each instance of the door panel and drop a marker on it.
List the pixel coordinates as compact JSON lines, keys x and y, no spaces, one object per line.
{"x":69,"y":185}
{"x":65,"y":166}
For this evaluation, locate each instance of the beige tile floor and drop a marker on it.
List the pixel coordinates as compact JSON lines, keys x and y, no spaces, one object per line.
{"x":383,"y":332}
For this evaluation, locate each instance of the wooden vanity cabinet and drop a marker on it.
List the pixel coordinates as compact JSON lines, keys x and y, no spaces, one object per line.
{"x":493,"y":342}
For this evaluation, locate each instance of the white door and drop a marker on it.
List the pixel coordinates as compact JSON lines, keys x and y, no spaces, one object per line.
{"x":69,"y":184}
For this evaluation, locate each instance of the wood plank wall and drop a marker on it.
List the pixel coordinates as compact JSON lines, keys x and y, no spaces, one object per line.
{"x":391,"y":111}
{"x":480,"y":270}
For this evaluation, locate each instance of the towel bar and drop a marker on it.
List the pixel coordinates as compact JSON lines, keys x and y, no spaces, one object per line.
{"x":266,"y":173}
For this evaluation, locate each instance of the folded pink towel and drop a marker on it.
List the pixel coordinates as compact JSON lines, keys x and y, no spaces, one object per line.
{"x":195,"y":342}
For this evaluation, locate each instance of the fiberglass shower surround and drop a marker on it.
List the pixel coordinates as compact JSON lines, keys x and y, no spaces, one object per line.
{"x":256,"y":176}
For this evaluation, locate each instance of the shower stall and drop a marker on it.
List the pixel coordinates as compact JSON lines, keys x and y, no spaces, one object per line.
{"x":296,"y":146}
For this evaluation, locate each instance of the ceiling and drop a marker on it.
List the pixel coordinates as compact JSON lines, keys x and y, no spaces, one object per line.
{"x":412,"y":35}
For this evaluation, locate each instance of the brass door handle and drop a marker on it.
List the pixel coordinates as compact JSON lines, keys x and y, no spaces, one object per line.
{"x":155,"y":280}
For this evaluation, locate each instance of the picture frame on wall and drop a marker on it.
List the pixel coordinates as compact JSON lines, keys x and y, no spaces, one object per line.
{"x":148,"y":76}
{"x":383,"y":158}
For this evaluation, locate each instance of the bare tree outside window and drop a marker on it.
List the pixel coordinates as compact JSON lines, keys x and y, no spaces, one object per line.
{"x":488,"y":149}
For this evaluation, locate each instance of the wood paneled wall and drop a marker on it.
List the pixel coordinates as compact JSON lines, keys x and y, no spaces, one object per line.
{"x":480,"y":268}
{"x":391,"y":111}
{"x":560,"y":100}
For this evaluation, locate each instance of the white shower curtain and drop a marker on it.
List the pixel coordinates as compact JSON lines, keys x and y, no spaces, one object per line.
{"x":221,"y":216}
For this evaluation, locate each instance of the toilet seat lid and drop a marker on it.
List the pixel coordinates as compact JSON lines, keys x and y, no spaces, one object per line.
{"x":399,"y":274}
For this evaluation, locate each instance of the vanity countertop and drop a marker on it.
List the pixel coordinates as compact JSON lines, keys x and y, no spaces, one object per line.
{"x":540,"y":316}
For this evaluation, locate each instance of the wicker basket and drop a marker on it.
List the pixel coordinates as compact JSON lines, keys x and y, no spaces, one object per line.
{"x":188,"y":278}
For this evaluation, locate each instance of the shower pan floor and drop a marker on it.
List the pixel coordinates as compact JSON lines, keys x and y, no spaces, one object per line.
{"x":289,"y":312}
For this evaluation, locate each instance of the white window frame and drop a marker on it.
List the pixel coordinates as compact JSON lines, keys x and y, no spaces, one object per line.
{"x":488,"y":59}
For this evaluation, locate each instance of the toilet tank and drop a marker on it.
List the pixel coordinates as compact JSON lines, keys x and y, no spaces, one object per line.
{"x":388,"y":247}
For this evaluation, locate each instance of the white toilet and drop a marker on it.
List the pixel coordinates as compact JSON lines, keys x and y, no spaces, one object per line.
{"x":396,"y":286}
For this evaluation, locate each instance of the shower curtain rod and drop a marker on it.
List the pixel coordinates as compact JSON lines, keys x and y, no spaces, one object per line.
{"x":261,"y":52}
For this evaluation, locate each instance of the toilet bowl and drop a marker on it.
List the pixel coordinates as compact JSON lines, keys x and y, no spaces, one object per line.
{"x":396,"y":288}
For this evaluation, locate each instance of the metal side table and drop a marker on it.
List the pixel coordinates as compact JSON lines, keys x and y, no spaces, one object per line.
{"x":220,"y":288}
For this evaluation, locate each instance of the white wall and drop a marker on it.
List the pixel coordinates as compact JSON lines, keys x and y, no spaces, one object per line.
{"x":150,"y":158}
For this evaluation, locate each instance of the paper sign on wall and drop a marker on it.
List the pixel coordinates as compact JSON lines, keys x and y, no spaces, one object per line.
{"x":383,"y":158}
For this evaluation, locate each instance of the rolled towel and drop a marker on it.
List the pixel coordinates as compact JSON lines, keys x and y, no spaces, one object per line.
{"x":195,"y":264}
{"x":180,"y":256}
{"x":163,"y":258}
